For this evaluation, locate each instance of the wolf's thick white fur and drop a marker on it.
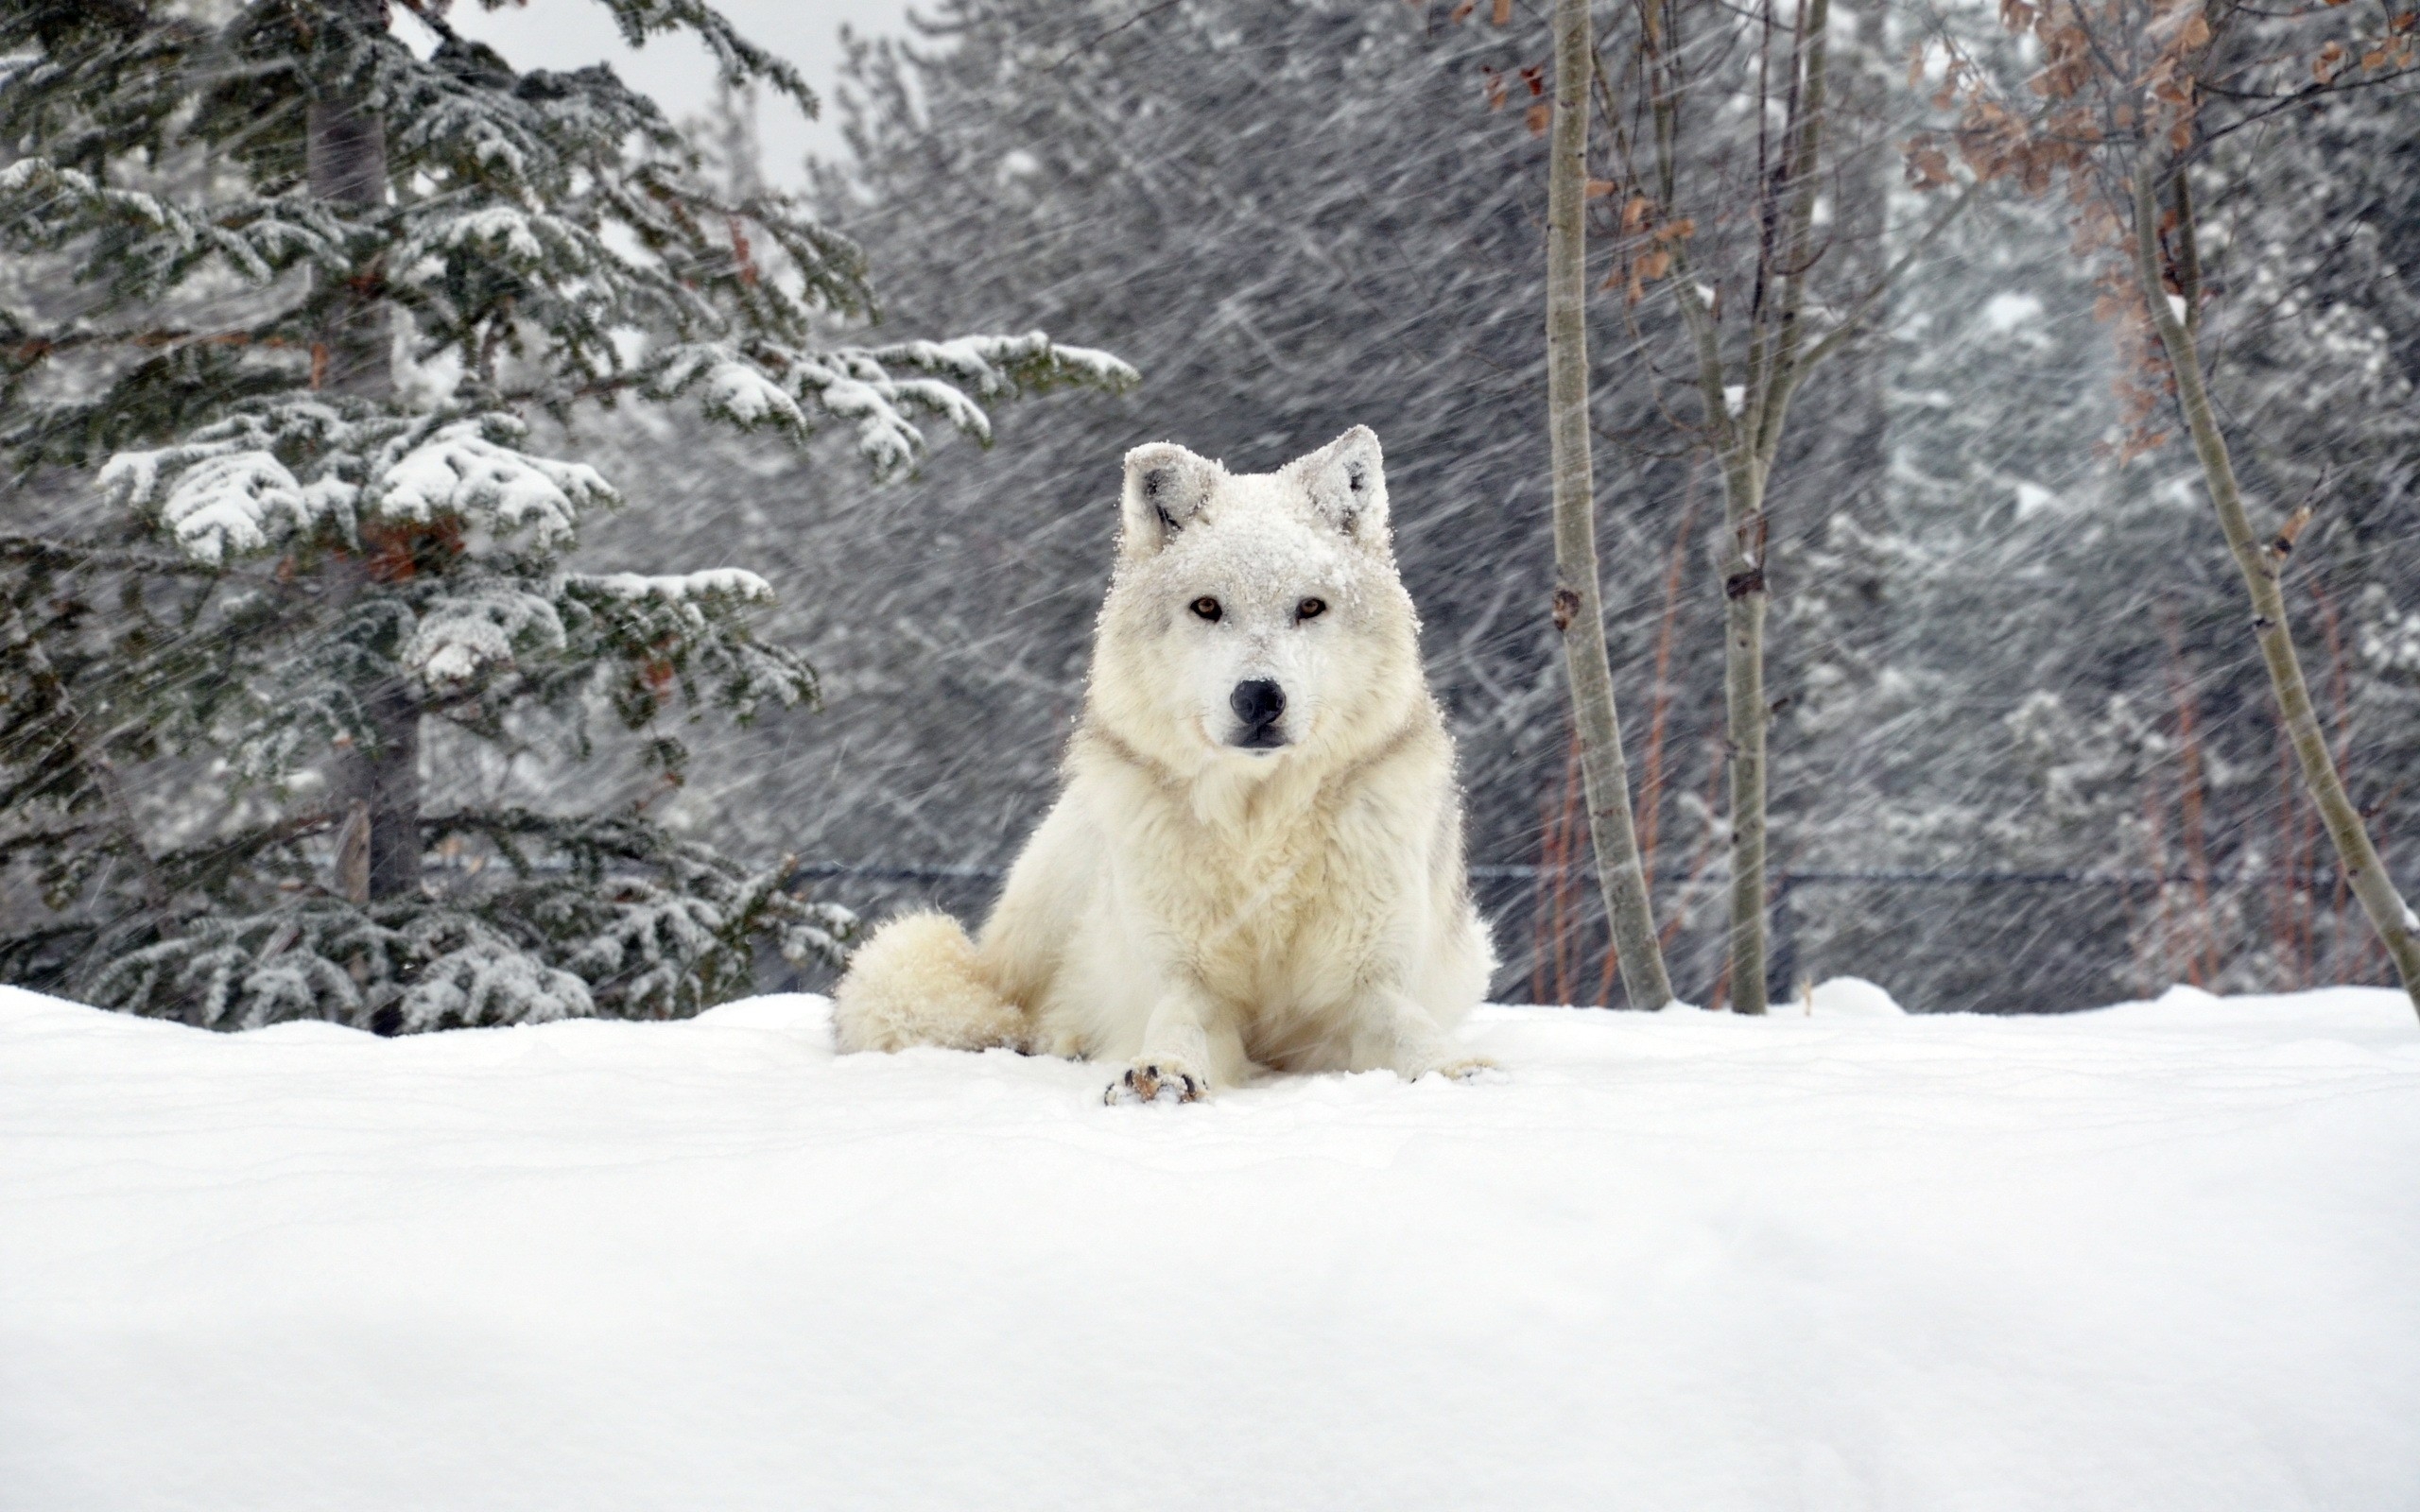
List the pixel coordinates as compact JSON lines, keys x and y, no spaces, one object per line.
{"x":1216,"y":888}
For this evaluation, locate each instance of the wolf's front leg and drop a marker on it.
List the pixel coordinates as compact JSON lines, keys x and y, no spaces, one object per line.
{"x":1399,"y":1035}
{"x":1184,"y":1045}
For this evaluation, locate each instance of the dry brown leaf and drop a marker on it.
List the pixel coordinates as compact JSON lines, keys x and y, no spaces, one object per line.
{"x":1503,"y":16}
{"x":1597,"y":188}
{"x":1538,"y":117}
{"x":1927,"y":166}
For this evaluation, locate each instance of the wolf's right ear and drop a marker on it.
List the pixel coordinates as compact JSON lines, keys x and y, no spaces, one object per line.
{"x":1165,"y":487}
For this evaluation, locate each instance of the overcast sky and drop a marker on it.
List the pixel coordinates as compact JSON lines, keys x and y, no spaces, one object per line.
{"x":574,"y":33}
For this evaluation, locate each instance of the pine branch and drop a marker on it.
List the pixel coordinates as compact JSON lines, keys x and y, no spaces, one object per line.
{"x":68,"y":556}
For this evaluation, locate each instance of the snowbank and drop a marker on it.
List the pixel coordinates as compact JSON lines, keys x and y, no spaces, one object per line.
{"x":2158,"y":1255}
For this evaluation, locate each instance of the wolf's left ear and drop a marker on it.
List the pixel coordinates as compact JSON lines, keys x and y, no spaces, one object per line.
{"x":1346,"y":480}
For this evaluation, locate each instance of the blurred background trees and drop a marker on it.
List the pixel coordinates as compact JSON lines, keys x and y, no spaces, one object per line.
{"x":2021,"y":752}
{"x":251,"y":686}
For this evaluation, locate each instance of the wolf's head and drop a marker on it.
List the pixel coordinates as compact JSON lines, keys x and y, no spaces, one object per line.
{"x":1258,"y":618}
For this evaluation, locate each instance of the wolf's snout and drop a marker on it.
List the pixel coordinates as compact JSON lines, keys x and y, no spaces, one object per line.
{"x":1259,"y":704}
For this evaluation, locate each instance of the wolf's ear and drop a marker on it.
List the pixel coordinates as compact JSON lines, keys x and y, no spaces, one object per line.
{"x":1346,"y":480}
{"x":1165,"y":487}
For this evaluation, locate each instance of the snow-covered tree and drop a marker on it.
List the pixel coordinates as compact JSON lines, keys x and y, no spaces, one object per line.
{"x":2126,"y":114}
{"x":322,"y":284}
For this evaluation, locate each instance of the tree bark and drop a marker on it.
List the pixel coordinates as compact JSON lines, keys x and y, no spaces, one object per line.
{"x":1745,"y":717}
{"x":345,"y":152}
{"x":2262,"y":565}
{"x":1579,"y":610}
{"x":345,"y":149}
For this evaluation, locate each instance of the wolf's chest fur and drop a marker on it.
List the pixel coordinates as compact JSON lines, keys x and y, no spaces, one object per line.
{"x":1276,"y":910}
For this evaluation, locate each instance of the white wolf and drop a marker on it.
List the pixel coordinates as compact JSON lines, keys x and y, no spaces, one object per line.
{"x":1257,"y":857}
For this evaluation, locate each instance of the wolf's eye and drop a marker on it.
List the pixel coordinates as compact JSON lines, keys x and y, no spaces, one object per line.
{"x":1310,"y":608}
{"x":1206,"y":608}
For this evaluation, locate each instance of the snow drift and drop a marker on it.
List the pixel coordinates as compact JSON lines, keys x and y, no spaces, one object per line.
{"x":2157,"y":1256}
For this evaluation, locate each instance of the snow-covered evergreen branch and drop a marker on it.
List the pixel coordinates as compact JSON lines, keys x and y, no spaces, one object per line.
{"x":304,"y":564}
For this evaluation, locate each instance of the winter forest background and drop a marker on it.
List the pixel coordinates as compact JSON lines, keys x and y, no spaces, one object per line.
{"x":2023,"y":755}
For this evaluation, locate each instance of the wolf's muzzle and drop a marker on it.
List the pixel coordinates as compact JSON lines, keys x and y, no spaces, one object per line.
{"x":1259,"y":704}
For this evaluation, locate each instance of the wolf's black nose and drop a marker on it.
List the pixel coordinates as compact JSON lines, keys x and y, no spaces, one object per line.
{"x":1258,"y":703}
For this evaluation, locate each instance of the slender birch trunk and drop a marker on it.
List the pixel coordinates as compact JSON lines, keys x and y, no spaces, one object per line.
{"x":1744,"y":423}
{"x":2262,"y":565}
{"x":1745,"y":717}
{"x":1579,"y":610}
{"x":345,"y":147}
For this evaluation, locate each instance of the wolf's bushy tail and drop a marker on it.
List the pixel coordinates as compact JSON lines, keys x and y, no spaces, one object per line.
{"x":916,"y":981}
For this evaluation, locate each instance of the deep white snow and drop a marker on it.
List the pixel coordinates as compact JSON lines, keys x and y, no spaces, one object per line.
{"x":2159,"y":1256}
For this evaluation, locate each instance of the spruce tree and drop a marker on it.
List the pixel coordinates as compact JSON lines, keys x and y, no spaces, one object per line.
{"x":320,"y":284}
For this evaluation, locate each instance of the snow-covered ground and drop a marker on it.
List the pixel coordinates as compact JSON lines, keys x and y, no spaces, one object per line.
{"x":2165,"y":1255}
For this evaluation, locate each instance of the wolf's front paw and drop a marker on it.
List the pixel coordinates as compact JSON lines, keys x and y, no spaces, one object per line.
{"x":1154,"y":1081}
{"x":1454,"y":1068}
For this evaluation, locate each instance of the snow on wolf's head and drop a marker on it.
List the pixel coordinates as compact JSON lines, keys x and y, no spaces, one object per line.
{"x":1256,"y":621}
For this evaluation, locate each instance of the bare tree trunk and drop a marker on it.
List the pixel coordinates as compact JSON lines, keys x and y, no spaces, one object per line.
{"x":2262,"y":565}
{"x":346,"y":154}
{"x":1745,"y":716}
{"x":1746,"y":439}
{"x":1579,"y":610}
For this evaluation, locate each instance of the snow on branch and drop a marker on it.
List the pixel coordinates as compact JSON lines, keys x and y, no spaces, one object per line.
{"x":875,"y":387}
{"x":462,"y":469}
{"x":683,"y":629}
{"x":231,"y":496}
{"x":220,"y":507}
{"x":481,"y":625}
{"x":517,"y":238}
{"x":1003,"y":366}
{"x":250,"y":970}
{"x":488,"y":980}
{"x":681,"y":588}
{"x":730,"y":387}
{"x":230,"y":490}
{"x":164,"y":242}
